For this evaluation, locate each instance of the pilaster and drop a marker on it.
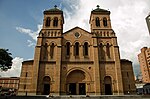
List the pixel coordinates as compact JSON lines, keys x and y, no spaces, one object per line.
{"x":97,"y":70}
{"x":58,"y":66}
{"x":118,"y":74}
{"x":36,"y":66}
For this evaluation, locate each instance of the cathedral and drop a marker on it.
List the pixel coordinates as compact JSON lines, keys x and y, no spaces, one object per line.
{"x":77,"y":62}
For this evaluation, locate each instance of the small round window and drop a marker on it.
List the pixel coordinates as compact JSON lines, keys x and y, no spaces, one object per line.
{"x":77,"y":35}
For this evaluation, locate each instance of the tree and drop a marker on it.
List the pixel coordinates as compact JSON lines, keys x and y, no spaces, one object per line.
{"x":5,"y":59}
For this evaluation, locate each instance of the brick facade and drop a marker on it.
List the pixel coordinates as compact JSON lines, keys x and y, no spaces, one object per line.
{"x":76,"y":62}
{"x":9,"y":83}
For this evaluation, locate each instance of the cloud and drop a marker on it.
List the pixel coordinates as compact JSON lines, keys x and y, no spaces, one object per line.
{"x":30,"y":32}
{"x":77,"y":14}
{"x":129,"y":23}
{"x":15,"y":70}
{"x":127,"y":19}
{"x":30,"y":43}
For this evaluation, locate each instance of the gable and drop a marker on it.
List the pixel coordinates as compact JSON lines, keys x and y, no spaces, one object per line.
{"x":76,"y":29}
{"x":77,"y":34}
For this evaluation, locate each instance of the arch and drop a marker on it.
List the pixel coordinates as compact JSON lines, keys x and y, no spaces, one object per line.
{"x":101,"y":42}
{"x":68,"y":41}
{"x":68,"y":48}
{"x":46,"y":85}
{"x":105,"y":21}
{"x":88,"y":76}
{"x":85,"y":41}
{"x":86,"y":49}
{"x":46,"y":79}
{"x":107,"y":80}
{"x":52,"y":43}
{"x":76,"y":49}
{"x":97,"y":21}
{"x":76,"y":76}
{"x":46,"y":44}
{"x":107,"y":42}
{"x":48,"y":19}
{"x":108,"y":85}
{"x":55,"y":22}
{"x":76,"y":42}
{"x":76,"y":81}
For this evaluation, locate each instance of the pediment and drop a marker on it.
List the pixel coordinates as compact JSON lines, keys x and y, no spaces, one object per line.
{"x":77,"y":32}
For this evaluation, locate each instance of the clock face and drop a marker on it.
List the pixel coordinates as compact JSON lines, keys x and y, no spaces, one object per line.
{"x":77,"y":35}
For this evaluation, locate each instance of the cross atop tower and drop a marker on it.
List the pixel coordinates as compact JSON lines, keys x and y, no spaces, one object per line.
{"x":97,"y":6}
{"x":55,"y":6}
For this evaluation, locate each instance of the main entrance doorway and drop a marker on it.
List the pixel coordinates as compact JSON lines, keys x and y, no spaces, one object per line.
{"x":77,"y":89}
{"x":108,"y":85}
{"x":76,"y":83}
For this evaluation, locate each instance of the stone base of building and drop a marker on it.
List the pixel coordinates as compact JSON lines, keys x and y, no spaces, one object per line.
{"x":78,"y":97}
{"x":26,"y":94}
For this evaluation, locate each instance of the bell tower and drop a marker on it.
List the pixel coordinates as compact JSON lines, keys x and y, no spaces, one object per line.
{"x":48,"y":51}
{"x":106,"y":47}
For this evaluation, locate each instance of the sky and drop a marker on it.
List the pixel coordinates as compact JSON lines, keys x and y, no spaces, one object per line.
{"x":21,"y":21}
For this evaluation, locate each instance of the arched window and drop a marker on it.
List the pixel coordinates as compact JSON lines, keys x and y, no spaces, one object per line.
{"x":52,"y":50}
{"x":76,"y":49}
{"x":45,"y":51}
{"x":48,"y":21}
{"x":97,"y":21}
{"x":55,"y":22}
{"x":101,"y":51}
{"x":67,"y":48}
{"x":85,"y":49}
{"x":108,"y":50}
{"x":105,"y":22}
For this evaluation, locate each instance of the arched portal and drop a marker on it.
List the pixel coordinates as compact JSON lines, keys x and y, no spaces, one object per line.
{"x":46,"y":85}
{"x":108,"y":85}
{"x":76,"y":83}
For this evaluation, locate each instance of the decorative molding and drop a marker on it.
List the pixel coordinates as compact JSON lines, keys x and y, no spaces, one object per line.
{"x":51,"y":62}
{"x":106,"y":61}
{"x":51,"y":37}
{"x":78,"y":62}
